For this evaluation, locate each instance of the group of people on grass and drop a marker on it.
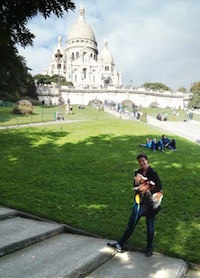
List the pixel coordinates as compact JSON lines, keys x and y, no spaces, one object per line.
{"x":164,"y":142}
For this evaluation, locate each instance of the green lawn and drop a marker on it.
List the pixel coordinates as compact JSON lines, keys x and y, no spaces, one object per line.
{"x":81,"y":174}
{"x":48,"y":113}
{"x":41,"y":114}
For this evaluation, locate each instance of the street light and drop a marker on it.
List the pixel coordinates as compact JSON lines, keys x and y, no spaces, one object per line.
{"x":58,"y":57}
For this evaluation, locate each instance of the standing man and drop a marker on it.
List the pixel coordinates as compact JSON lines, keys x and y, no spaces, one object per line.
{"x":143,"y":206}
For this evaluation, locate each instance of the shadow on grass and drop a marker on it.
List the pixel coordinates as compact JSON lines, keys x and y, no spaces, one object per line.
{"x":6,"y":114}
{"x":88,"y":184}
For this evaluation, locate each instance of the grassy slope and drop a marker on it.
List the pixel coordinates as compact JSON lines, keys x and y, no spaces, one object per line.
{"x":47,"y":113}
{"x":81,"y":174}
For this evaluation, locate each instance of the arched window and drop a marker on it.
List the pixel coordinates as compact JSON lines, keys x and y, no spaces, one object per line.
{"x":72,"y":55}
{"x":84,"y":57}
{"x":77,"y":55}
{"x":75,"y":75}
{"x":84,"y":73}
{"x":93,"y":76}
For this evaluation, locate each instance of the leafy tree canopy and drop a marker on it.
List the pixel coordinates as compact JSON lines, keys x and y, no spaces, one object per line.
{"x":182,"y":89}
{"x":195,"y":98}
{"x":14,"y":76}
{"x":195,"y":87}
{"x":156,"y":86}
{"x":42,"y":79}
{"x":47,"y":79}
{"x":16,"y":13}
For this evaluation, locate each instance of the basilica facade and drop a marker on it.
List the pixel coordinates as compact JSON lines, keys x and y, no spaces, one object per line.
{"x":81,"y":62}
{"x":94,"y":75}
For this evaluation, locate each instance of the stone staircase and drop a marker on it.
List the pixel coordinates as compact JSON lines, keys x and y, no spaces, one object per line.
{"x":35,"y":248}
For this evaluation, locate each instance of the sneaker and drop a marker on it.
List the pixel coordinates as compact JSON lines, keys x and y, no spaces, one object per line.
{"x":115,"y":246}
{"x":149,"y":252}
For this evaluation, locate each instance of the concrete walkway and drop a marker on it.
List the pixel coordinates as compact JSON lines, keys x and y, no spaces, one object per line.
{"x":40,"y":124}
{"x":189,"y":130}
{"x":35,"y":248}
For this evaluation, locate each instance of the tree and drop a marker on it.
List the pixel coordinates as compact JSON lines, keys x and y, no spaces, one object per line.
{"x":31,"y":88}
{"x":47,"y":79}
{"x":14,"y":18}
{"x":195,"y":98}
{"x":43,"y":79}
{"x":194,"y":101}
{"x":182,"y":89}
{"x":195,"y":87}
{"x":13,"y":74}
{"x":156,"y":86}
{"x":16,"y":13}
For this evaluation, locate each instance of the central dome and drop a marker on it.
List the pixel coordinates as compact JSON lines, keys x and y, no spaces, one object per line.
{"x":81,"y":30}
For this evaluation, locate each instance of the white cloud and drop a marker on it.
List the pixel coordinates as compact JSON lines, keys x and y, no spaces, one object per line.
{"x":150,"y":40}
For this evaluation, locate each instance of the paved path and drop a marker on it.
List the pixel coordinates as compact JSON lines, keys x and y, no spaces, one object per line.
{"x":35,"y":248}
{"x":189,"y":130}
{"x":40,"y":124}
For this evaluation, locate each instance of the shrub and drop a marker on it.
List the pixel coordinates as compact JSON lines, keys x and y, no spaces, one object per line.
{"x":154,"y":105}
{"x":23,"y":107}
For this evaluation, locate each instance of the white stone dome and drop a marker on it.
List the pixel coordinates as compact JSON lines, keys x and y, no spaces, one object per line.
{"x":81,"y":30}
{"x":105,"y":55}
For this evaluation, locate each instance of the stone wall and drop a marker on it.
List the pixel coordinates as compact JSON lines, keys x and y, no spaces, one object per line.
{"x":138,"y":96}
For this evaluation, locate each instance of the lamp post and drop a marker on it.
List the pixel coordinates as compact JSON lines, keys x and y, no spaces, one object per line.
{"x":58,"y":57}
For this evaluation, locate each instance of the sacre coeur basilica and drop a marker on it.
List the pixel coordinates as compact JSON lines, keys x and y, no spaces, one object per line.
{"x":94,"y":75}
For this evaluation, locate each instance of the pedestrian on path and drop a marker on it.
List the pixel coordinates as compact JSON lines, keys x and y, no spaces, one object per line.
{"x":143,"y":205}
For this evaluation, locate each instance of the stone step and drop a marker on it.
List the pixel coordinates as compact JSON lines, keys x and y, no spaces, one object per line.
{"x":135,"y":264}
{"x":193,"y":274}
{"x":64,"y":255}
{"x":34,"y":248}
{"x":7,"y":213}
{"x":18,"y":232}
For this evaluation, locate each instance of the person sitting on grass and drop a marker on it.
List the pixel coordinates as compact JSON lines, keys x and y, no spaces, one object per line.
{"x":152,"y":144}
{"x":171,"y":144}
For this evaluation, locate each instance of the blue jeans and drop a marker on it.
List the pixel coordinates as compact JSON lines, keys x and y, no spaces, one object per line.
{"x":158,"y":145}
{"x":133,"y":220}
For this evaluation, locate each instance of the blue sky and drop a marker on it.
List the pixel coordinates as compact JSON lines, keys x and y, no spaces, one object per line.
{"x":150,"y":40}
